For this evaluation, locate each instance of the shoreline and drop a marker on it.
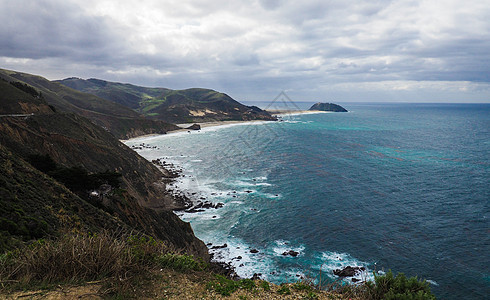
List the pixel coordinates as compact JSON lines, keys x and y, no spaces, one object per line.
{"x":237,"y":257}
{"x":184,"y":126}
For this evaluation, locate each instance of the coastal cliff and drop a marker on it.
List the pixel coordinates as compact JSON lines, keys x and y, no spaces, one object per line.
{"x":48,"y":158}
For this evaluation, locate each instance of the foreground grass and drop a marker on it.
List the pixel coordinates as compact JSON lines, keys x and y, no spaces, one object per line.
{"x":126,"y":266}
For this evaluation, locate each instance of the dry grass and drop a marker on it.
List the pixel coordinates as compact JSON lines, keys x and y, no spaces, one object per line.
{"x":80,"y":258}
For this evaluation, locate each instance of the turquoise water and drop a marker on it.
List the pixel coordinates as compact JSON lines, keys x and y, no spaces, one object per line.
{"x":386,"y":186}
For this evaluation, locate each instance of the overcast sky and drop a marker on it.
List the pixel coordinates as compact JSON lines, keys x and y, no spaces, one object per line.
{"x":329,"y":50}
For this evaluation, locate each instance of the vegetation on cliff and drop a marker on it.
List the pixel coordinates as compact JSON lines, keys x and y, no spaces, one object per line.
{"x":174,"y":106}
{"x":70,"y":157}
{"x":120,"y":120}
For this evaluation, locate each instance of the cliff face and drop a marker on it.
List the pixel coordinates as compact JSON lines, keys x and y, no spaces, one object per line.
{"x":141,"y":202}
{"x":327,"y":107}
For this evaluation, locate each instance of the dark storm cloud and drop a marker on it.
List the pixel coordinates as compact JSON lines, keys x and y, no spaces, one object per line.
{"x":42,"y":29}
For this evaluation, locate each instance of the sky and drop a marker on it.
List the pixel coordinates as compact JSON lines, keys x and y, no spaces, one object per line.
{"x":329,"y":50}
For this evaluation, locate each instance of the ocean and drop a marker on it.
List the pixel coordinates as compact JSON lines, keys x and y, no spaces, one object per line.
{"x":404,"y":187}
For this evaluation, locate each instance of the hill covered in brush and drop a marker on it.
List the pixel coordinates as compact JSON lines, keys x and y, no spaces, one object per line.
{"x":61,"y":172}
{"x":118,"y":119}
{"x":174,"y":106}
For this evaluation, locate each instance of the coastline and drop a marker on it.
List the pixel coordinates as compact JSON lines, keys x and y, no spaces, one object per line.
{"x":235,"y":255}
{"x":184,"y":126}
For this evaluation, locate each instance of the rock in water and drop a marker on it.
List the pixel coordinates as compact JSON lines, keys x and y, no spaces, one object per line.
{"x":290,"y":252}
{"x":327,"y":107}
{"x":348,"y":271}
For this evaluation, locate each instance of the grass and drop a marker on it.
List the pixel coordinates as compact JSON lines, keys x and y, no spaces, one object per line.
{"x":225,"y":286}
{"x":121,"y":261}
{"x":128,"y":264}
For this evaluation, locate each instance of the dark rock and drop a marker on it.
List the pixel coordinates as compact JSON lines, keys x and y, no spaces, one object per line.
{"x":193,"y":210}
{"x":348,"y":271}
{"x":327,"y":107}
{"x":219,"y":247}
{"x":248,"y":191}
{"x":254,"y":251}
{"x":194,"y":127}
{"x":256,"y":276}
{"x":291,"y":252}
{"x":355,"y":280}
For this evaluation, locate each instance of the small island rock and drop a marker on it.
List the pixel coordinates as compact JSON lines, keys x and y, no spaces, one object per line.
{"x":327,"y":107}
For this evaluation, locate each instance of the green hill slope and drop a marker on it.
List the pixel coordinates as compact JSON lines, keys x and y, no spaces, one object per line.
{"x":174,"y":106}
{"x":120,"y":120}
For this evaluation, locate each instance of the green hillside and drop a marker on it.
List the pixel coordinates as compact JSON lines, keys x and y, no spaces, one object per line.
{"x":120,"y":120}
{"x":173,"y":106}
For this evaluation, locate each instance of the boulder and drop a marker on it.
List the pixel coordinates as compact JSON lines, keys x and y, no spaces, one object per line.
{"x":194,"y":127}
{"x":290,"y":252}
{"x":348,"y":271}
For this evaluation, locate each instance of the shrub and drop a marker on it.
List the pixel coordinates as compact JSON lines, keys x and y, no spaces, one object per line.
{"x":284,"y":290}
{"x":301,"y":286}
{"x":310,"y":296}
{"x":265,"y":286}
{"x":225,"y":286}
{"x":391,"y":287}
{"x":180,"y":262}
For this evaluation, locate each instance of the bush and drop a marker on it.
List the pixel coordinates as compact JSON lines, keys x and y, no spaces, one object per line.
{"x":225,"y":286}
{"x":180,"y":262}
{"x":300,"y":286}
{"x":398,"y":287}
{"x":265,"y":286}
{"x":284,"y":290}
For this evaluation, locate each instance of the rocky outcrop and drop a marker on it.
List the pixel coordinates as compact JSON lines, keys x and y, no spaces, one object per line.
{"x":348,"y":271}
{"x":327,"y":107}
{"x":194,"y":127}
{"x":291,"y":253}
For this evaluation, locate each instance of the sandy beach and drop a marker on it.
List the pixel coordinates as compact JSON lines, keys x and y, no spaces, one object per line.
{"x":278,"y":113}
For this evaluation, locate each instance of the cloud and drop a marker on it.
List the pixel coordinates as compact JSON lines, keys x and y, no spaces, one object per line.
{"x":263,"y":46}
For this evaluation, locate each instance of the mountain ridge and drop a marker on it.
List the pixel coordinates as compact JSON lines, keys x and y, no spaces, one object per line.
{"x":118,"y":119}
{"x":174,"y":106}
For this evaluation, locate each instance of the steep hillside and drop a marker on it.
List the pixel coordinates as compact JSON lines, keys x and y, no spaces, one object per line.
{"x":34,"y":205}
{"x":15,"y":100}
{"x":78,"y":149}
{"x":120,"y":120}
{"x":174,"y":106}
